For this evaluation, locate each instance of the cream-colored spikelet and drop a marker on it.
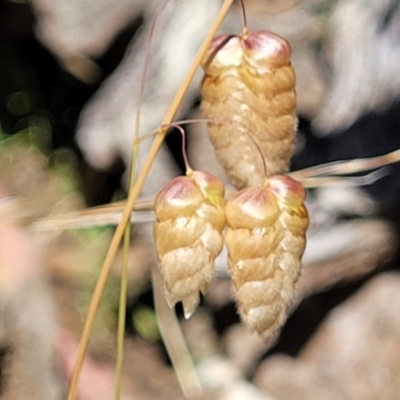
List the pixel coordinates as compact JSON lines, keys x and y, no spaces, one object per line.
{"x":265,"y":238}
{"x":248,"y":93}
{"x":188,"y":235}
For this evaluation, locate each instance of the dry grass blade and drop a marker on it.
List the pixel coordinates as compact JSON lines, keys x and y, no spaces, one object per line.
{"x":348,"y":167}
{"x":364,"y":180}
{"x":109,"y":214}
{"x":319,"y":175}
{"x":80,"y":220}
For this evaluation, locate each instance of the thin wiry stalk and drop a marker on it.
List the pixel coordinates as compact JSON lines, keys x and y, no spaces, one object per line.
{"x":115,"y":241}
{"x":355,"y":181}
{"x":122,"y":312}
{"x":174,"y":341}
{"x":127,"y":235}
{"x":309,"y":177}
{"x":348,"y":167}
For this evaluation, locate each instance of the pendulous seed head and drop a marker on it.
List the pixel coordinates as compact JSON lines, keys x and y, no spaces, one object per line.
{"x":265,"y":239}
{"x":248,"y":95}
{"x":188,"y":235}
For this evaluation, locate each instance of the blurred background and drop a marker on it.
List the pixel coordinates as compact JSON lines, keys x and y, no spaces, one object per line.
{"x":70,"y":75}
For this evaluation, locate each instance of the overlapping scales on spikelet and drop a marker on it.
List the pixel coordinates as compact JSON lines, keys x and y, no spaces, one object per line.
{"x":265,"y":238}
{"x":188,"y":235}
{"x":248,"y":92}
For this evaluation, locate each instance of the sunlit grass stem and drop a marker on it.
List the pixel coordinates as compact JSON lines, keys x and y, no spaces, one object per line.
{"x":134,"y":193}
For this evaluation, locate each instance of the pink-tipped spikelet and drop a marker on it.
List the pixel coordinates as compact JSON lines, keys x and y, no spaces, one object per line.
{"x":248,"y":94}
{"x":188,"y":235}
{"x":265,"y":238}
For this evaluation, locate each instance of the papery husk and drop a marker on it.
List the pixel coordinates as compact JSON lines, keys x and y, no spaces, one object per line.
{"x":188,"y":236}
{"x":265,"y":238}
{"x":248,"y":94}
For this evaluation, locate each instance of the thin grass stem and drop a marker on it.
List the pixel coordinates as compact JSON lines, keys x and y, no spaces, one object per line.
{"x":174,"y":341}
{"x":348,"y":167}
{"x":119,"y":232}
{"x":127,"y":234}
{"x":122,"y":312}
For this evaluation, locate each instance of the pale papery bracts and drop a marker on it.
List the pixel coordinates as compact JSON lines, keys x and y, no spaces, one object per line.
{"x":188,"y":235}
{"x":265,"y":238}
{"x":248,"y":95}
